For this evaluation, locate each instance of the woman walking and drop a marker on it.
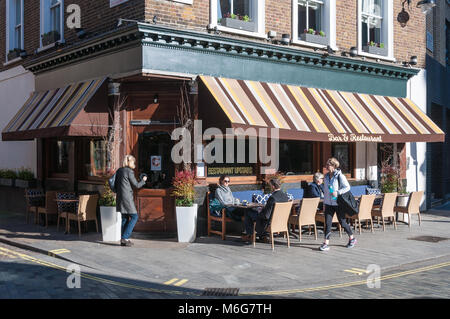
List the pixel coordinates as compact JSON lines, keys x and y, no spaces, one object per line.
{"x":125,"y":180}
{"x":335,"y":183}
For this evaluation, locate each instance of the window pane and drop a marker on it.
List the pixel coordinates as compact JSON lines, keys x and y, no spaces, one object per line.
{"x":315,"y":17}
{"x":59,"y":157}
{"x":17,"y":38}
{"x":18,"y":12}
{"x":55,"y":16}
{"x":296,"y":157}
{"x":242,"y":8}
{"x":302,"y":19}
{"x":238,"y":167}
{"x":365,"y":39}
{"x":223,"y":8}
{"x":342,"y":153}
{"x":372,"y":7}
{"x":96,"y":158}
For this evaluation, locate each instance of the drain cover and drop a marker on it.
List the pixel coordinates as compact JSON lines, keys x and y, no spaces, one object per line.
{"x":221,"y":292}
{"x":430,"y":239}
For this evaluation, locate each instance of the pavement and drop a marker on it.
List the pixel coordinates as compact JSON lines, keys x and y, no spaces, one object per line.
{"x":161,"y":267}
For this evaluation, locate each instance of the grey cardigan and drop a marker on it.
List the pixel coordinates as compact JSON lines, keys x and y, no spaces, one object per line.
{"x":225,"y":196}
{"x":125,"y":181}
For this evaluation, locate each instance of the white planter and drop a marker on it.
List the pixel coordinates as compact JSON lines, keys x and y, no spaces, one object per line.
{"x":186,"y":223}
{"x":111,"y":224}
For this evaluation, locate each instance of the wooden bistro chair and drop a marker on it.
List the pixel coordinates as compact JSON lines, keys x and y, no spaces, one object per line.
{"x":413,"y":206}
{"x":67,"y":203}
{"x":387,"y":209}
{"x":306,"y":216}
{"x":278,"y":222}
{"x":34,"y":198}
{"x":320,"y":217}
{"x":365,"y":211}
{"x":222,"y":219}
{"x":87,"y":211}
{"x":50,"y":208}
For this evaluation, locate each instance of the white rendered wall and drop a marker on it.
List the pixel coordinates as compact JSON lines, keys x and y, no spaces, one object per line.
{"x":16,"y":85}
{"x":416,"y":152}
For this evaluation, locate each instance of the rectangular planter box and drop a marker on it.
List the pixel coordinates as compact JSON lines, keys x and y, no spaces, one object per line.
{"x":314,"y":38}
{"x":375,"y":50}
{"x":238,"y":24}
{"x":50,"y":38}
{"x":25,"y":184}
{"x":6,"y":182}
{"x":13,"y":55}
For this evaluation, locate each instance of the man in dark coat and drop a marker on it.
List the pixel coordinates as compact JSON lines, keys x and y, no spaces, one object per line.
{"x":315,"y":189}
{"x":262,"y":217}
{"x":125,"y":182}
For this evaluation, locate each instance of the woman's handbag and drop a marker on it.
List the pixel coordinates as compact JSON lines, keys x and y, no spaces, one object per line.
{"x":112,"y":183}
{"x":347,"y":202}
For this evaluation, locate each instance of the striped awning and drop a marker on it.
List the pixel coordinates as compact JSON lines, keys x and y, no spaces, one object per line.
{"x":302,"y":113}
{"x":58,"y":112}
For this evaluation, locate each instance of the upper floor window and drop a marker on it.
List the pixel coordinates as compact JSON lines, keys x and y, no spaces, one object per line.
{"x":314,"y":22}
{"x":375,"y":18}
{"x":14,"y":28}
{"x":52,"y":17}
{"x":244,"y":17}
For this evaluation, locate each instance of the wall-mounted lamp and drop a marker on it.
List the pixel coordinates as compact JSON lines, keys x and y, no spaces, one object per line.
{"x":212,"y":28}
{"x":425,"y":5}
{"x":271,"y":35}
{"x":412,"y":61}
{"x":156,"y":99}
{"x":285,"y":39}
{"x":353,"y":52}
{"x":113,"y":88}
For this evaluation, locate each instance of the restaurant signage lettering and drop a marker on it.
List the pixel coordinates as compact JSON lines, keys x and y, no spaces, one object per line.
{"x":354,"y":138}
{"x":235,"y":171}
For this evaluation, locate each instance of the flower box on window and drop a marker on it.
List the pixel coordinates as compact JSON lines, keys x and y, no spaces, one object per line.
{"x":238,"y":24}
{"x":374,"y":49}
{"x":50,"y":37}
{"x":13,"y":54}
{"x":314,"y":38}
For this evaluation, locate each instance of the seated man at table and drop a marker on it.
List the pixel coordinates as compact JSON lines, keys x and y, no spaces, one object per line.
{"x":262,"y":216}
{"x":226,"y":198}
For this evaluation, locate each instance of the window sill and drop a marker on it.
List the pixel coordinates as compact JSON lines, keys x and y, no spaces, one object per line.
{"x":374,"y":56}
{"x":241,"y":32}
{"x":184,"y":1}
{"x":50,"y":46}
{"x":12,"y":61}
{"x":312,"y":45}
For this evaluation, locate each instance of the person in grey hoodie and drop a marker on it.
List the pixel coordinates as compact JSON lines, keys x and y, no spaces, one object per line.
{"x":335,"y":183}
{"x":226,"y":198}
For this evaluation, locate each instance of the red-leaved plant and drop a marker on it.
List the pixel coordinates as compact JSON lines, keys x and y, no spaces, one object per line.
{"x":183,"y":184}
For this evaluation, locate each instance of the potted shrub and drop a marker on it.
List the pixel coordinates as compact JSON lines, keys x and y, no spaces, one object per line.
{"x":186,"y":210}
{"x":111,"y":220}
{"x":25,"y":178}
{"x":318,"y":37}
{"x":50,"y":37}
{"x":13,"y":54}
{"x":375,"y":48}
{"x":7,"y":177}
{"x":238,"y":22}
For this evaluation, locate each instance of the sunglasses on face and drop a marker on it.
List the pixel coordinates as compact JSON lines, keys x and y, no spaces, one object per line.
{"x":226,"y":180}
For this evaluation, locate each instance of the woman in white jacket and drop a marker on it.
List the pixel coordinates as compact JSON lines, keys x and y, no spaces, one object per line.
{"x":335,"y":183}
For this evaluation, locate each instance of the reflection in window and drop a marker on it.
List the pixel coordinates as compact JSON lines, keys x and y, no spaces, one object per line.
{"x":59,"y":157}
{"x":96,"y":158}
{"x":296,"y":157}
{"x":341,"y":151}
{"x":371,"y":17}
{"x":310,"y":15}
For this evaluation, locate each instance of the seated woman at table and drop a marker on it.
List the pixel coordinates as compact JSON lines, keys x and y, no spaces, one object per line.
{"x":226,"y":198}
{"x":315,"y":189}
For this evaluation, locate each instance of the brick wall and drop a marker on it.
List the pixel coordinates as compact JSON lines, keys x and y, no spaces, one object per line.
{"x":97,"y":17}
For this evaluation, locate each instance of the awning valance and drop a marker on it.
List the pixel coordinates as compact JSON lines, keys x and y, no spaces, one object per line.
{"x":302,"y":113}
{"x":60,"y":112}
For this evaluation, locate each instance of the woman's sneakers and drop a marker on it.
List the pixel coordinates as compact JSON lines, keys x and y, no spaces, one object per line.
{"x":324,"y":247}
{"x":351,"y":243}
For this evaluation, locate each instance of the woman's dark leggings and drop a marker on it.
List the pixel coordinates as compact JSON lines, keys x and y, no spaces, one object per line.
{"x":329,"y":213}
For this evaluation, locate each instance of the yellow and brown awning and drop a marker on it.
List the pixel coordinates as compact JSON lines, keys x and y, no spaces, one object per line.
{"x":302,"y":113}
{"x":60,"y":112}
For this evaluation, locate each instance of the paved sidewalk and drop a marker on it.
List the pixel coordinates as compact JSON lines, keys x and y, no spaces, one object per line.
{"x":213,"y":263}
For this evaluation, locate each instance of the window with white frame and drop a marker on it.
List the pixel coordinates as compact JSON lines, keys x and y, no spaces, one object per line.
{"x":314,"y":22}
{"x":239,"y":16}
{"x":52,"y":16}
{"x":14,"y":27}
{"x":375,"y":19}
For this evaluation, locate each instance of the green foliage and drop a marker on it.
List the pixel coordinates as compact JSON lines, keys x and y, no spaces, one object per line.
{"x":8,"y":173}
{"x":322,"y":34}
{"x":183,"y":184}
{"x":108,"y":198}
{"x":25,"y":174}
{"x":311,"y":31}
{"x":246,"y":18}
{"x":382,"y":45}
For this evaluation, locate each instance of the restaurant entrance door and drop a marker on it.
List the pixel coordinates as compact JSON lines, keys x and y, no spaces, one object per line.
{"x":154,"y":202}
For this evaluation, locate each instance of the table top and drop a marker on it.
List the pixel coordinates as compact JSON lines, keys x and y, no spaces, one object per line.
{"x":249,"y":205}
